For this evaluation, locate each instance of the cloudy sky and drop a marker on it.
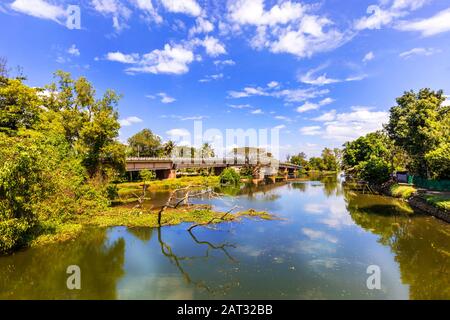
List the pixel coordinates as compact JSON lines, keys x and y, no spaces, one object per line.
{"x":322,"y":72}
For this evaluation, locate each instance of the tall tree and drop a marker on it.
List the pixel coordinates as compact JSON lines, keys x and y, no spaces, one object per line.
{"x":420,"y":124}
{"x":145,"y":144}
{"x":329,"y":159}
{"x":19,"y":105}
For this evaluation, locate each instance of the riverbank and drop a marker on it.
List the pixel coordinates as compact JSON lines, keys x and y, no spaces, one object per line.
{"x":436,"y":203}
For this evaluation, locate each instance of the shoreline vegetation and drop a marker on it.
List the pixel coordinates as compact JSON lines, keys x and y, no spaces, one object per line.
{"x":135,"y":217}
{"x":61,"y":160}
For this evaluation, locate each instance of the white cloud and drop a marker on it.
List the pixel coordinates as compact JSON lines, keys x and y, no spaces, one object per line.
{"x":213,"y":46}
{"x":385,"y":14}
{"x":327,"y":116}
{"x":418,"y":52}
{"x":257,"y":111}
{"x":298,"y":95}
{"x":252,"y":12}
{"x":212,"y":77}
{"x":177,"y":132}
{"x":202,"y":25}
{"x":350,"y":125}
{"x":73,"y":50}
{"x":149,"y":9}
{"x":247,"y":92}
{"x":308,"y":106}
{"x":122,"y":58}
{"x":173,"y":59}
{"x":165,"y":98}
{"x":189,"y":7}
{"x":446,"y":102}
{"x":368,"y":57}
{"x":283,"y":118}
{"x":129,"y":121}
{"x":289,"y":95}
{"x":280,"y":127}
{"x":273,"y":84}
{"x":320,"y":80}
{"x":227,"y":62}
{"x":114,"y":8}
{"x":434,"y":25}
{"x":286,"y":27}
{"x":39,"y":9}
{"x":311,"y":131}
{"x":240,"y":106}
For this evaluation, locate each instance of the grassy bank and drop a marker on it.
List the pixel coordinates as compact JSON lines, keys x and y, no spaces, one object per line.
{"x":52,"y":231}
{"x":402,"y":191}
{"x":434,"y":201}
{"x":439,"y":201}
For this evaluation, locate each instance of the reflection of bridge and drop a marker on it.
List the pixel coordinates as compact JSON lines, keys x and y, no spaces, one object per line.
{"x":166,"y":168}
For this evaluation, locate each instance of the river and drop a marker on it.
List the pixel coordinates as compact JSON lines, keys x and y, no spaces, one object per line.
{"x":321,"y":246}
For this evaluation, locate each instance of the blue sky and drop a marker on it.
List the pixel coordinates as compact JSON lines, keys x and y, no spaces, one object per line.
{"x":323,"y":72}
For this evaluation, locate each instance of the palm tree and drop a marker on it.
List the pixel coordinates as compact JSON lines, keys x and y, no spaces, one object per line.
{"x":207,"y":150}
{"x":168,"y":147}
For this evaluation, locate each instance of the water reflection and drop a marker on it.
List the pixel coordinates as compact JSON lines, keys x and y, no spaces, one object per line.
{"x":40,"y":273}
{"x":421,"y":244}
{"x":319,"y":250}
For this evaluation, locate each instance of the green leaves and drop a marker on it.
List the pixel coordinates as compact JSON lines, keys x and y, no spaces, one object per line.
{"x":419,"y":124}
{"x":19,"y":106}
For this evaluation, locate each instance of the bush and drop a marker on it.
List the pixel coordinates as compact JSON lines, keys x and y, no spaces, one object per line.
{"x":375,"y":170}
{"x":230,"y":176}
{"x":13,"y":234}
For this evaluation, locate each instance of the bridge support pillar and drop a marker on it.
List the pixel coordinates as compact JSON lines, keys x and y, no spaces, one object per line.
{"x":169,"y":174}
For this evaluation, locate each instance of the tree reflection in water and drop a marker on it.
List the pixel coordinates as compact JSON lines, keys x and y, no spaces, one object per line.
{"x":420,"y":243}
{"x":40,"y":273}
{"x":177,"y":260}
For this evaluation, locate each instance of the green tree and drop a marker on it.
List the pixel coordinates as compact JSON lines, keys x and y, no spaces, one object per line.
{"x":316,"y":163}
{"x":329,"y":160}
{"x":299,"y":159}
{"x":230,"y":176}
{"x":145,"y":144}
{"x":375,"y":170}
{"x":363,"y":148}
{"x":19,"y":105}
{"x":207,"y":150}
{"x":169,"y":148}
{"x":420,"y":124}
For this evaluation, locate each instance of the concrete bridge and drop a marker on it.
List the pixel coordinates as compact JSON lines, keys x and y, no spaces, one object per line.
{"x":166,"y":168}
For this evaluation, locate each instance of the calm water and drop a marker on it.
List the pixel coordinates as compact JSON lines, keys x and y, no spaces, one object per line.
{"x":320,"y":249}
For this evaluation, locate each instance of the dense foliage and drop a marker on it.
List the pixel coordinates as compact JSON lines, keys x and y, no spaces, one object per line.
{"x":230,"y":176}
{"x":416,"y":139}
{"x":58,"y":151}
{"x":328,"y":161}
{"x":420,"y":125}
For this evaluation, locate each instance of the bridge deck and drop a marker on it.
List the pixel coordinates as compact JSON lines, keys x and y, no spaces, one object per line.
{"x":137,"y":164}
